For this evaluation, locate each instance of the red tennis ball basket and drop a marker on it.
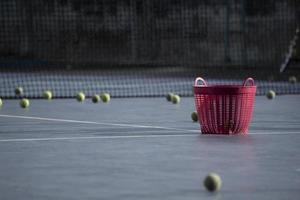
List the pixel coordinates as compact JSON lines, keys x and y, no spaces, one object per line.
{"x":224,"y":109}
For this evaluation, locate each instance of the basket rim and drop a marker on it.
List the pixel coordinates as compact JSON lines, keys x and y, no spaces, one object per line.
{"x":224,"y":90}
{"x":225,"y":86}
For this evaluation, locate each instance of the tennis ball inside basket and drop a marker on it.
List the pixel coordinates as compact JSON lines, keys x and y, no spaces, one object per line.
{"x":24,"y":103}
{"x":80,"y":97}
{"x":270,"y":94}
{"x":212,"y":182}
{"x":47,"y":95}
{"x":105,"y":97}
{"x":292,"y":79}
{"x":19,"y":91}
{"x":169,"y":96}
{"x":95,"y":98}
{"x":194,"y":116}
{"x":1,"y":103}
{"x":175,"y":99}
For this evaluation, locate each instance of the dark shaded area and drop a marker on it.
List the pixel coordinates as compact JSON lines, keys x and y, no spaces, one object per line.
{"x":260,"y":7}
{"x":147,"y":39}
{"x":148,"y":32}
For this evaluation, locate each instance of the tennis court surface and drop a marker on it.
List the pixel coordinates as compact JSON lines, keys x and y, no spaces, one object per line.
{"x":138,"y":145}
{"x":144,"y":148}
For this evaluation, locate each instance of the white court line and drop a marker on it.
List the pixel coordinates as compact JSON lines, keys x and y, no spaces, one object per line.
{"x":118,"y":137}
{"x":275,"y":133}
{"x":129,"y":136}
{"x":98,"y":123}
{"x":93,"y":137}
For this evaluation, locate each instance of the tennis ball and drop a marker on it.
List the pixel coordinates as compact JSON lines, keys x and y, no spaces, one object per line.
{"x":169,"y":96}
{"x":212,"y":182}
{"x":95,"y":98}
{"x":19,"y":91}
{"x":105,"y":97}
{"x":175,"y":99}
{"x":292,"y":79}
{"x":1,"y":103}
{"x":24,"y":103}
{"x":229,"y":125}
{"x":47,"y":95}
{"x":194,"y":116}
{"x":80,"y":97}
{"x":271,"y":94}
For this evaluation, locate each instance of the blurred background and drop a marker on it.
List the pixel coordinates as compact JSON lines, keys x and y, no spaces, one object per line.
{"x":134,"y":48}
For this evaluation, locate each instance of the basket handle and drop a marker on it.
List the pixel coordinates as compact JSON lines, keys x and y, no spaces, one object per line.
{"x":249,"y":80}
{"x":200,"y":79}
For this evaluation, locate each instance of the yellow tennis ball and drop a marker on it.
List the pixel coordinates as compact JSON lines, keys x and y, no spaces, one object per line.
{"x":19,"y":91}
{"x":169,"y":96}
{"x":194,"y":116}
{"x":1,"y":102}
{"x":105,"y":97}
{"x":270,"y":94}
{"x":292,"y":79}
{"x":212,"y":182}
{"x":24,"y":103}
{"x":47,"y":95}
{"x":80,"y":97}
{"x":175,"y":99}
{"x":95,"y":98}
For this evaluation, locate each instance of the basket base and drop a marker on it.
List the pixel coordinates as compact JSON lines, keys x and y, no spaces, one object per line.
{"x":228,"y":133}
